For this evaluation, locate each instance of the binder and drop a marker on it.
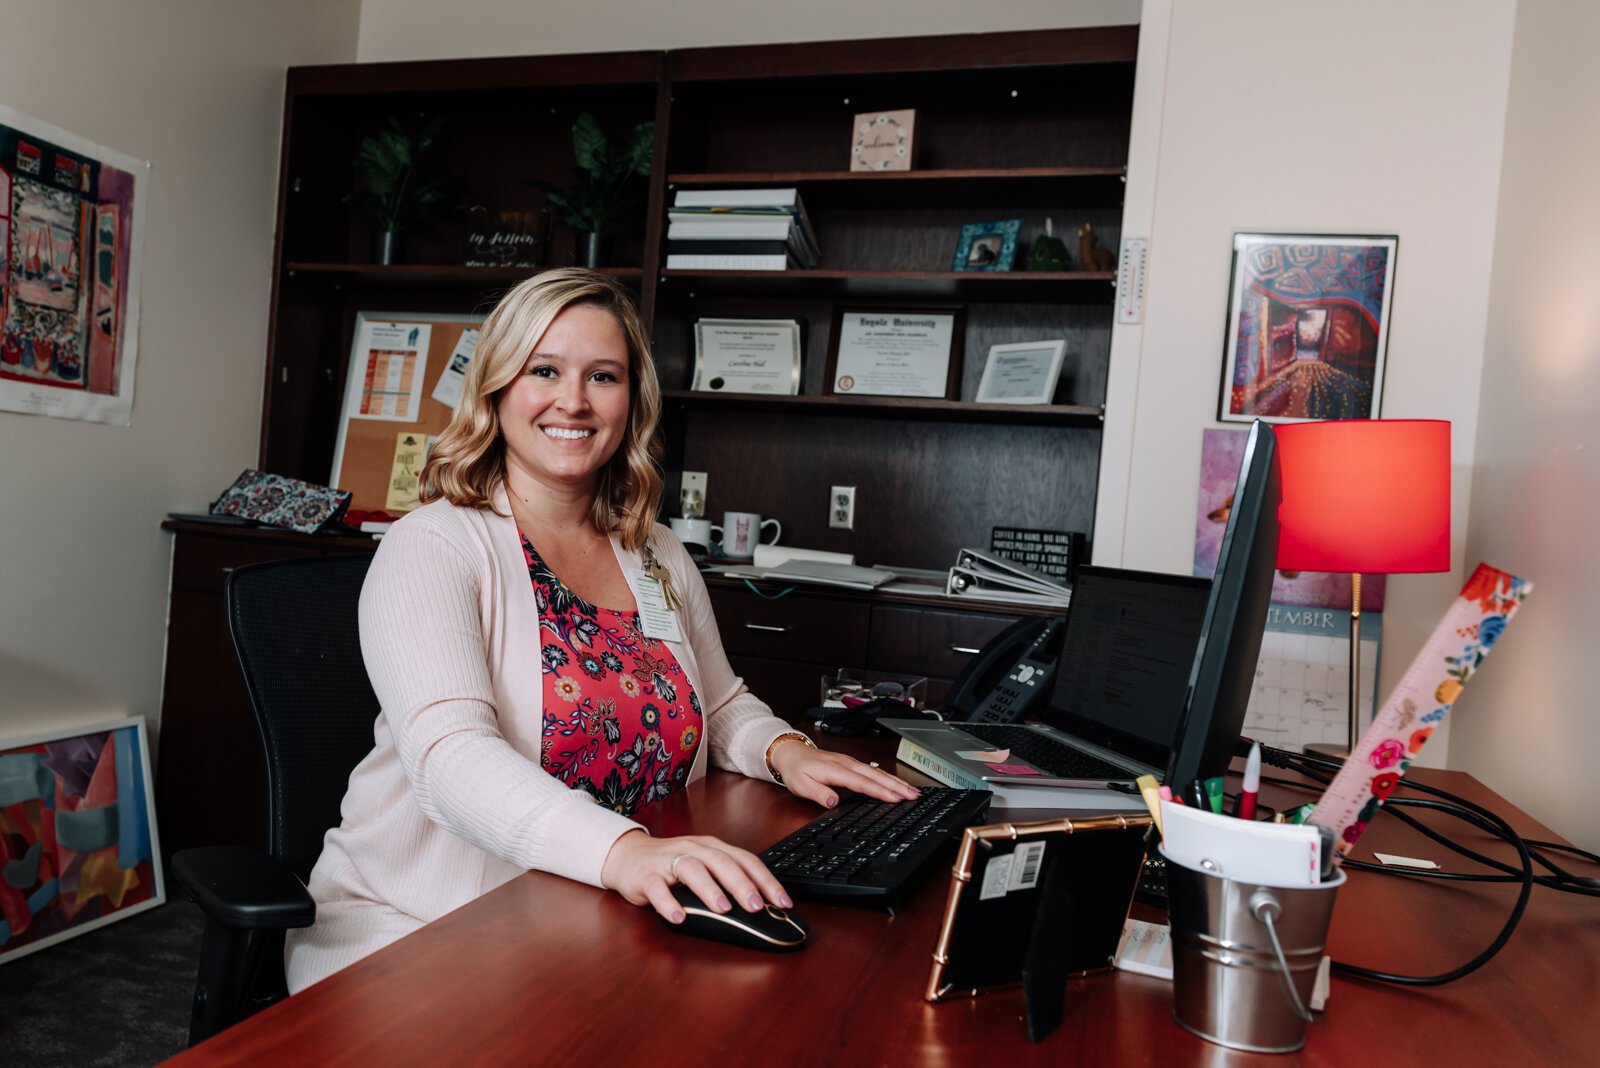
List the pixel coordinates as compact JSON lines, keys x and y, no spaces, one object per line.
{"x":977,"y":573}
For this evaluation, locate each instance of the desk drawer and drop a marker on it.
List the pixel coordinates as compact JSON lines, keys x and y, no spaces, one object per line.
{"x":921,"y":641}
{"x":815,"y":629}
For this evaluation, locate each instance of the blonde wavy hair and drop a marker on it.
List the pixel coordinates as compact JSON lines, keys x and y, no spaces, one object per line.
{"x":467,"y":464}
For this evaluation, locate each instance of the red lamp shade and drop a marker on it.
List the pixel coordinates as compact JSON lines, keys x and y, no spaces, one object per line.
{"x":1368,"y":496}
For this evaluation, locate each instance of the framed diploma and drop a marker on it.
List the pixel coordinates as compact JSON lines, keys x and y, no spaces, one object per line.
{"x":1024,"y":373}
{"x":747,"y":356}
{"x":896,"y":352}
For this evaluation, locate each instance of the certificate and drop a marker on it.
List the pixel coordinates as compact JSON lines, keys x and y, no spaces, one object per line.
{"x":897,"y":352}
{"x":747,"y":356}
{"x":1025,"y":373}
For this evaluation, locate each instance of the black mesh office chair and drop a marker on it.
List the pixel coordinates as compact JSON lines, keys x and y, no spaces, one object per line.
{"x":294,"y":627}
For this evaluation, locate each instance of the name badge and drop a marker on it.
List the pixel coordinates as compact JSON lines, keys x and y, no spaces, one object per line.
{"x":655,"y":618}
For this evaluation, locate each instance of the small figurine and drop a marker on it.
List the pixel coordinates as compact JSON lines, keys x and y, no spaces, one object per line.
{"x":1091,"y":257}
{"x":1048,"y":252}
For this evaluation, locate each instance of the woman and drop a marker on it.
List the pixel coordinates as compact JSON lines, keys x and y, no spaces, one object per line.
{"x":528,"y":710}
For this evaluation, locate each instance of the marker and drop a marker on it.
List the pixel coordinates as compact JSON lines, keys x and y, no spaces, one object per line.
{"x":1252,"y":784}
{"x":1197,"y":794}
{"x":1152,"y":797}
{"x":1214,"y":794}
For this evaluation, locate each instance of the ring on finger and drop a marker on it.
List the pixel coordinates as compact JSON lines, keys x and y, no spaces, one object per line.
{"x":672,"y":869}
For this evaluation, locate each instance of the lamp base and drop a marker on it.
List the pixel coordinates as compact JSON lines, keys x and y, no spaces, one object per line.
{"x":1337,"y":751}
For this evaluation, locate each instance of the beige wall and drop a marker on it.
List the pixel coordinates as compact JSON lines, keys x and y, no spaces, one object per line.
{"x":1364,"y":117}
{"x":1527,"y":724}
{"x":426,"y":29}
{"x":197,"y":89}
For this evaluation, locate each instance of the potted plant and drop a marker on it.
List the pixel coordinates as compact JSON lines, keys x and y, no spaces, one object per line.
{"x":392,"y":192}
{"x":603,"y":187}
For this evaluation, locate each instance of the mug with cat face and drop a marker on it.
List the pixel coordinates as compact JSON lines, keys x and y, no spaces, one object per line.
{"x":741,"y":532}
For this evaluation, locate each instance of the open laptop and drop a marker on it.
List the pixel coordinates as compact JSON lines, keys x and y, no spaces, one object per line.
{"x":1118,"y":693}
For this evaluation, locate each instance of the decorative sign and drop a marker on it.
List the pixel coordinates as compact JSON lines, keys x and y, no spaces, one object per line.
{"x":1052,"y":553}
{"x":882,"y":141}
{"x":896,"y":352}
{"x":747,"y":356}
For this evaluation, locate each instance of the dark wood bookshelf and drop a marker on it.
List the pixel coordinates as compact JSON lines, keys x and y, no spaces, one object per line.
{"x":1074,"y":287}
{"x":405,"y":275}
{"x":1027,"y":125}
{"x":894,"y":408}
{"x":1043,"y":187}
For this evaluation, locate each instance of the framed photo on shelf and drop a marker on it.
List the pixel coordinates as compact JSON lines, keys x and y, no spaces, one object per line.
{"x":990,"y":246}
{"x":747,"y":356}
{"x":80,"y":816}
{"x":1023,"y":373}
{"x":896,"y":352}
{"x":883,"y":140}
{"x":1308,"y":325}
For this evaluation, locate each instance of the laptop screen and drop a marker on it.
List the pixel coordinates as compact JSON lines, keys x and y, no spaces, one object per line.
{"x":1126,"y":657}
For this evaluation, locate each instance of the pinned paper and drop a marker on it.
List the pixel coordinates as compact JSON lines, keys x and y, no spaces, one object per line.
{"x":1013,"y":769}
{"x":447,"y":391}
{"x":987,"y":756}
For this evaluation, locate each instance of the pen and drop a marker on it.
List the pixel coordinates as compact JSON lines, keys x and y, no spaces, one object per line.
{"x":1214,"y":794}
{"x":1152,"y":797}
{"x":1197,"y":794}
{"x":1252,"y":784}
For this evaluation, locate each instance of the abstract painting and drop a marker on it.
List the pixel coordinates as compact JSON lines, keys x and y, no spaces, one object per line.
{"x":78,"y":846}
{"x":1308,"y":324}
{"x":71,"y":228}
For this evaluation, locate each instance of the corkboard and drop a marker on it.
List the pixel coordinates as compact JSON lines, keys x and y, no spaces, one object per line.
{"x":363,"y":460}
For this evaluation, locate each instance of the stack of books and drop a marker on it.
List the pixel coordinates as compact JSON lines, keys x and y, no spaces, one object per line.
{"x":739,"y":230}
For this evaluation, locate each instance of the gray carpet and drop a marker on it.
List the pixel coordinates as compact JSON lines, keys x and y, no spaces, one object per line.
{"x":115,"y":997}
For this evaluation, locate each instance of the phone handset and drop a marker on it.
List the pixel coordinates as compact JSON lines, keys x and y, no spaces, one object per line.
{"x":1009,"y":676}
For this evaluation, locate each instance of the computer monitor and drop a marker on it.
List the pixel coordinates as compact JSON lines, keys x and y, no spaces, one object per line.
{"x":1236,"y":614}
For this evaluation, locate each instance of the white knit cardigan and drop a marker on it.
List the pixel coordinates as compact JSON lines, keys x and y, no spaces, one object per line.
{"x":452,"y":801}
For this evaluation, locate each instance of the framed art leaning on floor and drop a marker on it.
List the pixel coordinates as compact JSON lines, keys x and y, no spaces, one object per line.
{"x":77,"y":833}
{"x":1308,"y":326}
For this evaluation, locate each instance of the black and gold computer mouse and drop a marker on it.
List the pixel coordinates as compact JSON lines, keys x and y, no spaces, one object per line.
{"x":772,"y":929}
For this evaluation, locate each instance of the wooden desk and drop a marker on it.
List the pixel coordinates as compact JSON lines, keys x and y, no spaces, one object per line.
{"x":548,"y":971}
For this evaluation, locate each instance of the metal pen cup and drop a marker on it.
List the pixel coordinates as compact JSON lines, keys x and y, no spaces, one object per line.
{"x":1230,"y":984}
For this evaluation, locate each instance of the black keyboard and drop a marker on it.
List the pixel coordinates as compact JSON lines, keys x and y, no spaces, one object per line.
{"x":872,"y":851}
{"x":1043,"y":752}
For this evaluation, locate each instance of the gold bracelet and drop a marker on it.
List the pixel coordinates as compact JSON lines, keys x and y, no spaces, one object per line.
{"x":779,"y":740}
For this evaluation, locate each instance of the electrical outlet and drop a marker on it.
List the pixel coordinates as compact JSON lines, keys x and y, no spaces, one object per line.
{"x":692,"y":495}
{"x":842,"y":508}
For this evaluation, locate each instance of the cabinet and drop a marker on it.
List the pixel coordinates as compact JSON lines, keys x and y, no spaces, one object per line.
{"x":211,"y":783}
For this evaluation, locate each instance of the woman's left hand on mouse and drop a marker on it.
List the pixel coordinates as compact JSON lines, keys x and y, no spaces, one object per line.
{"x":644,"y":869}
{"x":810,"y":773}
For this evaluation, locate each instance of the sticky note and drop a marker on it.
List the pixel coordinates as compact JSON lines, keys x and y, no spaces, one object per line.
{"x":987,"y":756}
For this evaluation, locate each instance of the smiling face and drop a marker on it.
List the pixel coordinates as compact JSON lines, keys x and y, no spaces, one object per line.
{"x":566,"y":413}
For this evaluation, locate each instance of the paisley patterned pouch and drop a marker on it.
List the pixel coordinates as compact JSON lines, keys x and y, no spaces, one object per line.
{"x":282,"y":502}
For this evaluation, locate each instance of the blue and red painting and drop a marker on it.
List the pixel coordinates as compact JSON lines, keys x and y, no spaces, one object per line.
{"x":1307,"y":327}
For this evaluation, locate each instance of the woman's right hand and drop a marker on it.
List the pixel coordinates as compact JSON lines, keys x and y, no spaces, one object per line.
{"x":640,"y":868}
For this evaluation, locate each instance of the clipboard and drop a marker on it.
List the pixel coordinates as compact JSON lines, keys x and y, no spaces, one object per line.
{"x":1032,"y":903}
{"x":389,"y":398}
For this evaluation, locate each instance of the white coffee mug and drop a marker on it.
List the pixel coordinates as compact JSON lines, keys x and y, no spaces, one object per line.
{"x":693,"y":531}
{"x":741,"y":532}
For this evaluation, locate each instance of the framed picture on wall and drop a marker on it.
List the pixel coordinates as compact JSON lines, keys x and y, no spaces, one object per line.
{"x":1308,"y":326}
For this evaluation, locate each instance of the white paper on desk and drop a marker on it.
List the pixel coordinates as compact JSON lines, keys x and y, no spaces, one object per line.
{"x":1246,"y":851}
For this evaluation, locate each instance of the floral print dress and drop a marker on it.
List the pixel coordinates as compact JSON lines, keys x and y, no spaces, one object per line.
{"x":621,"y":721}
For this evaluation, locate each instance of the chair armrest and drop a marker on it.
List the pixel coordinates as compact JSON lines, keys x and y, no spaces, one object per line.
{"x":244,"y":887}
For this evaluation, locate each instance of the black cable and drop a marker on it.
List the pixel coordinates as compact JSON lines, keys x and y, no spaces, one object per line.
{"x":1320,"y":771}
